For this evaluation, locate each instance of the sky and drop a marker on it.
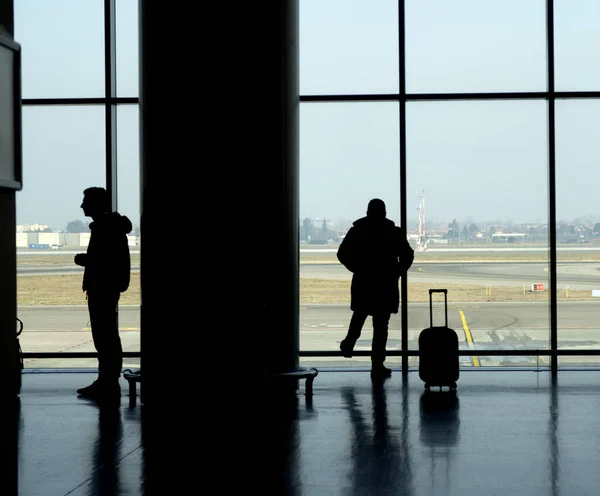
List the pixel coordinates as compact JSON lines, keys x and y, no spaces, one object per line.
{"x":480,"y":161}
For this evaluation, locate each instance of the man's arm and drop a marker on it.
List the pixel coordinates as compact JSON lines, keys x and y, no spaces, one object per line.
{"x":406,"y":254}
{"x":80,"y":259}
{"x":345,"y":253}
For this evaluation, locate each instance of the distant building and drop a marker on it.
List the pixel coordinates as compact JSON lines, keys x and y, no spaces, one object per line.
{"x":508,"y":237}
{"x":32,"y":227}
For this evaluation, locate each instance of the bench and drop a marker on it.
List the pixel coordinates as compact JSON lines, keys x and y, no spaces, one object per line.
{"x":132,"y":378}
{"x":302,"y":373}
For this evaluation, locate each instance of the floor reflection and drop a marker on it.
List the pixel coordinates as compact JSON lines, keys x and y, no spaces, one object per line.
{"x":379,"y":451}
{"x":107,"y":453}
{"x":439,"y":432}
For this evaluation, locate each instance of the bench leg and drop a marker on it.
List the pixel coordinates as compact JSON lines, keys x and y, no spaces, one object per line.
{"x":132,"y":393}
{"x":309,"y":385}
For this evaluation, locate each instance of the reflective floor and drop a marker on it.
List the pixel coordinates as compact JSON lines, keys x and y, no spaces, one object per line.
{"x":69,"y":446}
{"x":503,"y":433}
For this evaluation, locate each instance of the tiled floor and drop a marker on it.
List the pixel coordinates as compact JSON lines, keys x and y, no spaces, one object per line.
{"x":504,"y":433}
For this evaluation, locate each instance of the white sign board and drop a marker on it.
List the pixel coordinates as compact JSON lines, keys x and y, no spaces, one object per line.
{"x":596,"y":293}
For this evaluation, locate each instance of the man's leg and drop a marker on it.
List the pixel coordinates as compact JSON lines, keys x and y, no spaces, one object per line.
{"x":94,"y":313}
{"x":110,"y":354}
{"x":380,"y":336}
{"x":105,"y":333}
{"x":354,"y":330}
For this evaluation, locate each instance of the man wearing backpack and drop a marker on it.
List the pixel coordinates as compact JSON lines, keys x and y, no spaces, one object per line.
{"x":107,"y":273}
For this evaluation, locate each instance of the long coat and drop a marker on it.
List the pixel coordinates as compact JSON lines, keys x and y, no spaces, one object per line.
{"x":377,"y":254}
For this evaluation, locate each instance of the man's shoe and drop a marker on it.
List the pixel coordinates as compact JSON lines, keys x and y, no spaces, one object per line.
{"x":109,"y":394}
{"x":380,"y":372}
{"x":345,"y":349}
{"x":90,"y":391}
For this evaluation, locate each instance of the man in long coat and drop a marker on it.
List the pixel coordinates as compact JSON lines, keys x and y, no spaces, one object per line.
{"x":377,"y":253}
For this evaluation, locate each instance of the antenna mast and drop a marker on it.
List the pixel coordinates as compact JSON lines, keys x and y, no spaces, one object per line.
{"x":421,"y":242}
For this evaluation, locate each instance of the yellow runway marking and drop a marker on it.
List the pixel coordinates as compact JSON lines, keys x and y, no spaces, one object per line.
{"x":469,"y":337}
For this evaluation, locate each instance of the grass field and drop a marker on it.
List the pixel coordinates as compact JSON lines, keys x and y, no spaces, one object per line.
{"x":66,"y":290}
{"x":57,"y":260}
{"x":334,"y":291}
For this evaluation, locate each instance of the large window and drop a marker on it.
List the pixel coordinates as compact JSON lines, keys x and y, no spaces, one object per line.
{"x":128,"y":202}
{"x":349,"y":154}
{"x":348,"y":47}
{"x":473,"y":46}
{"x":578,"y":227}
{"x":63,"y":48}
{"x":479,"y":170}
{"x":490,"y":156}
{"x":80,"y":129}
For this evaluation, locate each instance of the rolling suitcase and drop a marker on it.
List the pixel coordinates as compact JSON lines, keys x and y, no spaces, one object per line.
{"x":438,"y":350}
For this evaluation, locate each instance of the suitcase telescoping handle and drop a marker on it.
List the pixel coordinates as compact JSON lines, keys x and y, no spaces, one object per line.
{"x":431,"y":291}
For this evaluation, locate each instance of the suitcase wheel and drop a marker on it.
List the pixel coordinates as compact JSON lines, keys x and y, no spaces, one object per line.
{"x":452,"y":386}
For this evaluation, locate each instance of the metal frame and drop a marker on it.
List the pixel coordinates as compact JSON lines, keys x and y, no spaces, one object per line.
{"x":550,"y":95}
{"x":110,"y":102}
{"x":15,"y":183}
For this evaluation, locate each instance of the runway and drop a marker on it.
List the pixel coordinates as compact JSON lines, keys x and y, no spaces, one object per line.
{"x":510,"y":325}
{"x":55,"y":270}
{"x":60,"y":328}
{"x":575,"y":275}
{"x":481,"y":326}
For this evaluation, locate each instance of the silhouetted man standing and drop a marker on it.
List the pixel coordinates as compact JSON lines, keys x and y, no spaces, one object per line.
{"x":377,"y":253}
{"x":107,"y":273}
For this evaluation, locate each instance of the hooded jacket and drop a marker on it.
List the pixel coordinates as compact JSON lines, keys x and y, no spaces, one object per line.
{"x":378,"y":254}
{"x":107,"y":262}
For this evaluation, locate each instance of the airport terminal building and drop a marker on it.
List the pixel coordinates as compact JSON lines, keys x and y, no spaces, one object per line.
{"x":475,"y":123}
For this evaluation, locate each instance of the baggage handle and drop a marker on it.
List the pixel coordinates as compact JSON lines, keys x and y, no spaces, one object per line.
{"x":431,"y":291}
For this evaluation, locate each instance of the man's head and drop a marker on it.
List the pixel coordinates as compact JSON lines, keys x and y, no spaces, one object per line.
{"x":95,"y":202}
{"x":376,"y":209}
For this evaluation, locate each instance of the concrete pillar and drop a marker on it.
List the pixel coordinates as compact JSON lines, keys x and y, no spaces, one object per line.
{"x":281,"y":256}
{"x":219,"y":159}
{"x":218,"y":156}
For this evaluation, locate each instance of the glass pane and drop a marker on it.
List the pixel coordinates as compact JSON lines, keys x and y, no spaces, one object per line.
{"x":578,"y":227}
{"x":63,"y":47}
{"x":477,"y":182}
{"x":128,"y":199}
{"x":127,"y":48}
{"x":348,"y":47}
{"x":576,"y":36}
{"x":63,"y":153}
{"x":349,"y":154}
{"x":475,"y":46}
